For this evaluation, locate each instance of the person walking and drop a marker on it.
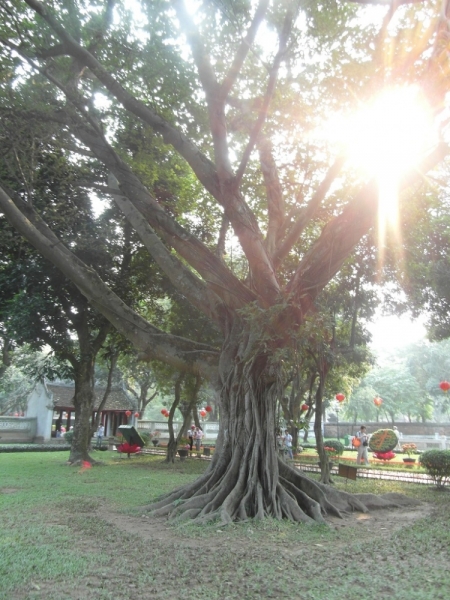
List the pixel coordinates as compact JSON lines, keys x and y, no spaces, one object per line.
{"x":363,"y":454}
{"x":100,"y":434}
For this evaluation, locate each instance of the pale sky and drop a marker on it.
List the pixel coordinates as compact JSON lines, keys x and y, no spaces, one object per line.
{"x":392,"y":331}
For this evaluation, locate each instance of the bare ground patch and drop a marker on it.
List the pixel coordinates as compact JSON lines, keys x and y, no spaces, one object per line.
{"x":150,"y":558}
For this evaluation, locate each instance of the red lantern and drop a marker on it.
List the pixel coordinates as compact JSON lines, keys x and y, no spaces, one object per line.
{"x":203,"y":413}
{"x":377,"y":401}
{"x":163,"y":411}
{"x":208,"y":408}
{"x":340,"y":397}
{"x":304,"y":407}
{"x":136,"y":414}
{"x":128,"y":413}
{"x":445,"y":386}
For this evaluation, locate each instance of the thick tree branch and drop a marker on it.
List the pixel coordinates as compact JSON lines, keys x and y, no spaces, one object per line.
{"x":275,"y":201}
{"x":273,"y":76}
{"x":340,"y":236}
{"x":200,"y":164}
{"x":241,"y":218}
{"x":204,"y":68}
{"x":307,"y":213}
{"x":181,"y":277}
{"x":243,"y":50}
{"x":152,"y":343}
{"x":218,"y":277}
{"x":220,"y":248}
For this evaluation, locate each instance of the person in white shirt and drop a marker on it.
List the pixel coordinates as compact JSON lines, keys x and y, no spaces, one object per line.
{"x":288,"y":444}
{"x":100,"y":434}
{"x":362,"y":448}
{"x":198,"y":438}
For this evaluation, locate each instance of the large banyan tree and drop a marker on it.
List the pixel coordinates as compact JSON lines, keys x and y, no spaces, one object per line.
{"x":236,"y":96}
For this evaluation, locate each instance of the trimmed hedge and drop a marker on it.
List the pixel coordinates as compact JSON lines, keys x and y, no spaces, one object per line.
{"x":35,"y":448}
{"x":437,"y":465}
{"x":383,"y":440}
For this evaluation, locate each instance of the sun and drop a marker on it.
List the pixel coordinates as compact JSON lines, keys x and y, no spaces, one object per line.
{"x":384,"y":139}
{"x":387,"y":138}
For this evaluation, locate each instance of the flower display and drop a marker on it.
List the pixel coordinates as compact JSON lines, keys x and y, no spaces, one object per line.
{"x":383,"y":440}
{"x":331,"y":452}
{"x":384,"y":455}
{"x":409,"y":449}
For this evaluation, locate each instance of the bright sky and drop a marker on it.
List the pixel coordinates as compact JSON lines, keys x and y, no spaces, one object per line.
{"x":395,"y":332}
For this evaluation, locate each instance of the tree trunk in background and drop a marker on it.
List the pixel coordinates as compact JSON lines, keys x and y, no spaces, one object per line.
{"x":84,"y":405}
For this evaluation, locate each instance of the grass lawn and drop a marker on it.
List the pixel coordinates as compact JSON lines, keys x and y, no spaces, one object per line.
{"x":69,"y":533}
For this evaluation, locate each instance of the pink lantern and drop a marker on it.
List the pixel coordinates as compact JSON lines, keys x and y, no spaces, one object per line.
{"x":340,"y":397}
{"x":128,"y":413}
{"x":203,"y":413}
{"x":136,"y":414}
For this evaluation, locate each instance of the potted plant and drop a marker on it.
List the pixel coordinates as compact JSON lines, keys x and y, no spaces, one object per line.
{"x":409,"y":449}
{"x":155,"y":437}
{"x":183,"y":448}
{"x":333,"y":449}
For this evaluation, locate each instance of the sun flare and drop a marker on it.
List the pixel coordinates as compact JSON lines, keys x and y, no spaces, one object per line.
{"x":385,"y":139}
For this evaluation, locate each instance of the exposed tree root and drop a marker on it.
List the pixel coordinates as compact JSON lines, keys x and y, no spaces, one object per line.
{"x":246,"y":479}
{"x":232,"y":495}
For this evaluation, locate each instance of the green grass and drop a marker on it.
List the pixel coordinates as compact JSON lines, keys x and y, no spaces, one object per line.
{"x":69,"y":533}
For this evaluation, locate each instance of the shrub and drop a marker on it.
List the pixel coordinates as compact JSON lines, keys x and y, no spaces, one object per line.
{"x":383,"y":440}
{"x":68,"y":436}
{"x":437,"y":465}
{"x":35,"y":448}
{"x":146,"y":437}
{"x":336,"y":445}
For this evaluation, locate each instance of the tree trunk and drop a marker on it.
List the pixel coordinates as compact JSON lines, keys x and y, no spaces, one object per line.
{"x":84,"y":405}
{"x":323,"y":456}
{"x":246,"y":478}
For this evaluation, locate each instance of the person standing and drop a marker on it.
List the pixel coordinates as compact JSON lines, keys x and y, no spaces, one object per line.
{"x":397,"y":433}
{"x":288,"y":444}
{"x":191,"y":435}
{"x":363,"y":454}
{"x":100,"y":434}
{"x":198,"y":438}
